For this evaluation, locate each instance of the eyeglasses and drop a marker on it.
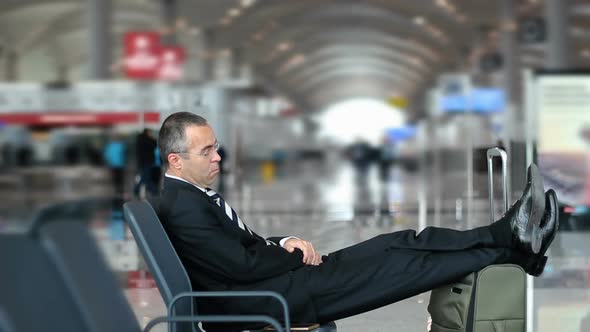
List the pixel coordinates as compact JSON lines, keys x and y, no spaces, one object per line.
{"x":206,"y":152}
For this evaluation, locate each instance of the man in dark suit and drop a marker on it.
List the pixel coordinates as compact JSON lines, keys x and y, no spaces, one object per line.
{"x":220,"y":252}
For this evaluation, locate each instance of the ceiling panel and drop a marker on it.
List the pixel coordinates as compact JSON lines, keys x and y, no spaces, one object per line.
{"x":332,"y":45}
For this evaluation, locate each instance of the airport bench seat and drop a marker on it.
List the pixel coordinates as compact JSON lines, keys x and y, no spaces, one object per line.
{"x":167,"y":269}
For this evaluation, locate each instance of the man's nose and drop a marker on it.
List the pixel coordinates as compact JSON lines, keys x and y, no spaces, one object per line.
{"x":216,"y":156}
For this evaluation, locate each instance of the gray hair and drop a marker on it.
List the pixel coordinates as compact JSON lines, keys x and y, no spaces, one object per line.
{"x":172,"y":136}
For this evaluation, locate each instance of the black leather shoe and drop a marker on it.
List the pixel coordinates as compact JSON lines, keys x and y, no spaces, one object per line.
{"x":549,"y":227}
{"x":526,"y":213}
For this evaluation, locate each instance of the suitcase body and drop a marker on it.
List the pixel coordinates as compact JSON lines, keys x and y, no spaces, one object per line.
{"x":490,"y":300}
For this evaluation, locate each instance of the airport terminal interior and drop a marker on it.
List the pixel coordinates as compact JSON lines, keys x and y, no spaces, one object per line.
{"x":338,"y":120}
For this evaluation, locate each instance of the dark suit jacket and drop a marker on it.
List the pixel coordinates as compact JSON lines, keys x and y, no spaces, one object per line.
{"x":218,"y":255}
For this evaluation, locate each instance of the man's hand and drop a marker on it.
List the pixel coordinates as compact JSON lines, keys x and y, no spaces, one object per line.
{"x":310,"y":256}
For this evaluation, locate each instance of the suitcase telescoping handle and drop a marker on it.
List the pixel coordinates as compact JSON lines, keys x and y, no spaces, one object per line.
{"x":491,"y":153}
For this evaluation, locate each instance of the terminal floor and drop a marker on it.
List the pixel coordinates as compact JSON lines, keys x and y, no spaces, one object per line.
{"x":326,"y":204}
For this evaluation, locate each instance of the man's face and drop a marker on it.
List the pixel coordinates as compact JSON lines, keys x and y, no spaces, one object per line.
{"x":200,"y":165}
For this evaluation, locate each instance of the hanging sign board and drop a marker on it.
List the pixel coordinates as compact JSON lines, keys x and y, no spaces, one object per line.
{"x":563,"y":113}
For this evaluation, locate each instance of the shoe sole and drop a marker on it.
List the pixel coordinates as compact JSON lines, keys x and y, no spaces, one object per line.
{"x":542,"y":260}
{"x":554,"y":207}
{"x":537,"y":208}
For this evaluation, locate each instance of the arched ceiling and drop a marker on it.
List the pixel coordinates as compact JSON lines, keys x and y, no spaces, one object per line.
{"x":313,"y":51}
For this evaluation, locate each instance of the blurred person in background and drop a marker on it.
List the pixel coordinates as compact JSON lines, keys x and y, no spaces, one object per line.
{"x":145,"y":146}
{"x":114,"y":155}
{"x":360,"y":154}
{"x":7,"y":155}
{"x":72,"y":154}
{"x":93,"y":151}
{"x":157,"y":170}
{"x":386,"y":156}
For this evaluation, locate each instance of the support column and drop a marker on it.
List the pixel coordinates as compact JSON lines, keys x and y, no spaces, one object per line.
{"x":60,"y":62}
{"x":479,"y":76}
{"x":169,"y":10}
{"x":310,"y":128}
{"x":11,"y":66}
{"x":511,"y":64}
{"x":100,"y":47}
{"x":62,"y":72}
{"x":237,"y":61}
{"x":240,"y":70}
{"x":208,"y":58}
{"x":513,"y":137}
{"x":558,"y":36}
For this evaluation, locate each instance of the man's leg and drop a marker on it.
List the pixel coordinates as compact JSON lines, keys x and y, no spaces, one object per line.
{"x":344,"y":288}
{"x":119,"y":180}
{"x":519,"y":228}
{"x":430,"y":239}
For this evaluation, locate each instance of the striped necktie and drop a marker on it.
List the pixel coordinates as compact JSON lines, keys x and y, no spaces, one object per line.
{"x":231,"y":214}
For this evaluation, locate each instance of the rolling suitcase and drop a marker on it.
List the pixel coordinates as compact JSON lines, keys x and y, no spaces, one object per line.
{"x":490,"y":300}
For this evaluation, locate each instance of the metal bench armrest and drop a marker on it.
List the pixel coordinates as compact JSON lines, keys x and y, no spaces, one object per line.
{"x":215,"y":318}
{"x":275,"y":295}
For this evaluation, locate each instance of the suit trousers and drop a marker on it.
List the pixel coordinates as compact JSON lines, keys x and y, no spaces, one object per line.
{"x":394,"y":266}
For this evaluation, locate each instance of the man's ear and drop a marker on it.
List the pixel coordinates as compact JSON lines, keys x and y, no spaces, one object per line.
{"x":174,"y":161}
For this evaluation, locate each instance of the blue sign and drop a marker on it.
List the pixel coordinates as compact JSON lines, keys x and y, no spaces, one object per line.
{"x":401,"y":133}
{"x":480,"y":100}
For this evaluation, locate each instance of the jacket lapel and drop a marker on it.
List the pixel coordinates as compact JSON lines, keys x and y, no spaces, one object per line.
{"x":174,"y":184}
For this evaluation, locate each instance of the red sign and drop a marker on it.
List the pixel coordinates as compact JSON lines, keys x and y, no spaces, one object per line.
{"x":78,"y":118}
{"x":171,"y":60}
{"x":146,"y":59}
{"x":142,"y":54}
{"x":288,"y":112}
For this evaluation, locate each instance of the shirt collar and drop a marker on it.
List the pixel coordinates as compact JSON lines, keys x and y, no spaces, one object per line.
{"x":183,"y":180}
